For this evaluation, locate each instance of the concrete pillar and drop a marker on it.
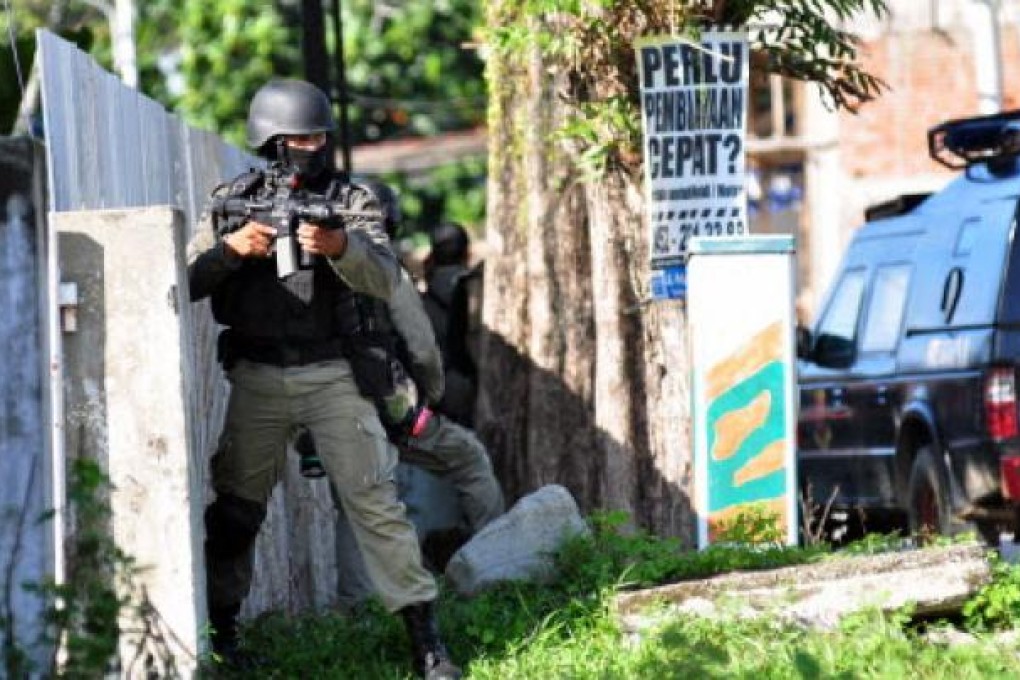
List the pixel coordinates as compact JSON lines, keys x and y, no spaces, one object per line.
{"x":127,"y":385}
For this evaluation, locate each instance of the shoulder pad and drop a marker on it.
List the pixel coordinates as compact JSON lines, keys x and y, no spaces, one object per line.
{"x":344,"y":190}
{"x":358,"y":195}
{"x":242,"y":185}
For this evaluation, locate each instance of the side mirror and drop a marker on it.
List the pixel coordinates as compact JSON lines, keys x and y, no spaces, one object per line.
{"x":833,"y":351}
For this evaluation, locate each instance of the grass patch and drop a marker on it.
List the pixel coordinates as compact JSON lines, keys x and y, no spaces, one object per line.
{"x":565,"y":629}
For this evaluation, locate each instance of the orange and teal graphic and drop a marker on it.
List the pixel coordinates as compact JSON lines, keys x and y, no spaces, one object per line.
{"x":746,"y":427}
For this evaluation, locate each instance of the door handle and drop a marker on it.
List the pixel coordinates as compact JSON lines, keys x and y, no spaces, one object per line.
{"x":882,"y":395}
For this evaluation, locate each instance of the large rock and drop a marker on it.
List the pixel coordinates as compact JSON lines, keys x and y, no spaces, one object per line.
{"x":519,"y":545}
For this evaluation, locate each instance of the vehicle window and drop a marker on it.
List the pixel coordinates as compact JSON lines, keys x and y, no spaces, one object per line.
{"x":840,"y":319}
{"x":967,"y":236}
{"x":885,"y":308}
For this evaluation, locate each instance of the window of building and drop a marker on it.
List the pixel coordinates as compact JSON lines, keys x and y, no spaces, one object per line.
{"x":772,"y":109}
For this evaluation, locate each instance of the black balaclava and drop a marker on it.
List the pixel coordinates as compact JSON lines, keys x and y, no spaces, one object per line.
{"x":309,"y":164}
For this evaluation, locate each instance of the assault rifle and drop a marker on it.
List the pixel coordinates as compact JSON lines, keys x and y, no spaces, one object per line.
{"x":275,"y":204}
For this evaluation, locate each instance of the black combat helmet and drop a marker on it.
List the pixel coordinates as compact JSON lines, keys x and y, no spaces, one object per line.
{"x":390,"y":205}
{"x":287,"y":107}
{"x":450,"y":244}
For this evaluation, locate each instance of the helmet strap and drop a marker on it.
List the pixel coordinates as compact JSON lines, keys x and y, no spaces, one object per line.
{"x":309,"y":164}
{"x":274,"y":149}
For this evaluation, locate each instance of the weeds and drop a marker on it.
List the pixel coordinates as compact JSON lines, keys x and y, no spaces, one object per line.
{"x":996,"y":605}
{"x":538,"y":635}
{"x":875,"y":544}
{"x":613,"y":558}
{"x":85,"y":615}
{"x":566,"y":629}
{"x":814,"y":517}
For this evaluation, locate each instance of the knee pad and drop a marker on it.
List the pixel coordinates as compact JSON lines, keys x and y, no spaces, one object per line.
{"x":231,"y":525}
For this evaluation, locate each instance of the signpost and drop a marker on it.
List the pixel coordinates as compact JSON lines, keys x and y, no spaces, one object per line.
{"x":743,"y":357}
{"x":739,"y":288}
{"x":694,"y":104}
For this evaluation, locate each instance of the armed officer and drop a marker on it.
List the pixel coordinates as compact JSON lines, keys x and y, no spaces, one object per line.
{"x":283,"y":357}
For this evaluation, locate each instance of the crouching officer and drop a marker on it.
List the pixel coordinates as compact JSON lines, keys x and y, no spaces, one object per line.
{"x":398,"y":364}
{"x":286,"y":365}
{"x":449,"y":280}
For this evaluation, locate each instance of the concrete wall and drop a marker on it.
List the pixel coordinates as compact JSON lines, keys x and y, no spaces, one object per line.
{"x":26,"y":544}
{"x":127,"y":393}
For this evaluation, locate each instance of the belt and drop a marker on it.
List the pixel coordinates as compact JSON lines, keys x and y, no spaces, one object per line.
{"x":291,"y":354}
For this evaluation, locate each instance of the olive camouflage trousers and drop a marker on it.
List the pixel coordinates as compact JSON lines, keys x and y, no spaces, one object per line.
{"x":266,"y":403}
{"x":451,"y":452}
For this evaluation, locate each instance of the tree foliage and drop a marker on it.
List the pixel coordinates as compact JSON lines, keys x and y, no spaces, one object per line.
{"x":582,"y":383}
{"x":228,"y":50}
{"x":81,"y":24}
{"x":593,"y":43}
{"x":412,"y":73}
{"x":408,"y":69}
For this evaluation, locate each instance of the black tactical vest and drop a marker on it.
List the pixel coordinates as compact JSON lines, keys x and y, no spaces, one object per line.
{"x":284,"y":322}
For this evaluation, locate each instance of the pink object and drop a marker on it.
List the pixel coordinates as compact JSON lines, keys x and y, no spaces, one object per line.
{"x":424,"y":416}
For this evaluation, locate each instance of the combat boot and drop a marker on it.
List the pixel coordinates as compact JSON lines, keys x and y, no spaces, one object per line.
{"x":223,"y":633}
{"x":431,"y":661}
{"x":227,"y":644}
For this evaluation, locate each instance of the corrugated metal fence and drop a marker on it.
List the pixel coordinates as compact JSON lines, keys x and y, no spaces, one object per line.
{"x":110,"y":146}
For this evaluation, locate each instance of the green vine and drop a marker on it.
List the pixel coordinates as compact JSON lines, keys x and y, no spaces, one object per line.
{"x":602,"y":132}
{"x":84,"y":615}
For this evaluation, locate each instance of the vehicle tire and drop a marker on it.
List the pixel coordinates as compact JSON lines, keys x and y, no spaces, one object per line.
{"x":928,"y":505}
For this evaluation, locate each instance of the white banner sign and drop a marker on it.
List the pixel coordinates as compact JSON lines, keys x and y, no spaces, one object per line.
{"x":694,"y":105}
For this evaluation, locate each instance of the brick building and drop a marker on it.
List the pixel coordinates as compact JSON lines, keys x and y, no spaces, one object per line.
{"x":814,"y":170}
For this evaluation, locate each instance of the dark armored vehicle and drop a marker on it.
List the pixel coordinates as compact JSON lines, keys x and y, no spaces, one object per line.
{"x":908,"y":378}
